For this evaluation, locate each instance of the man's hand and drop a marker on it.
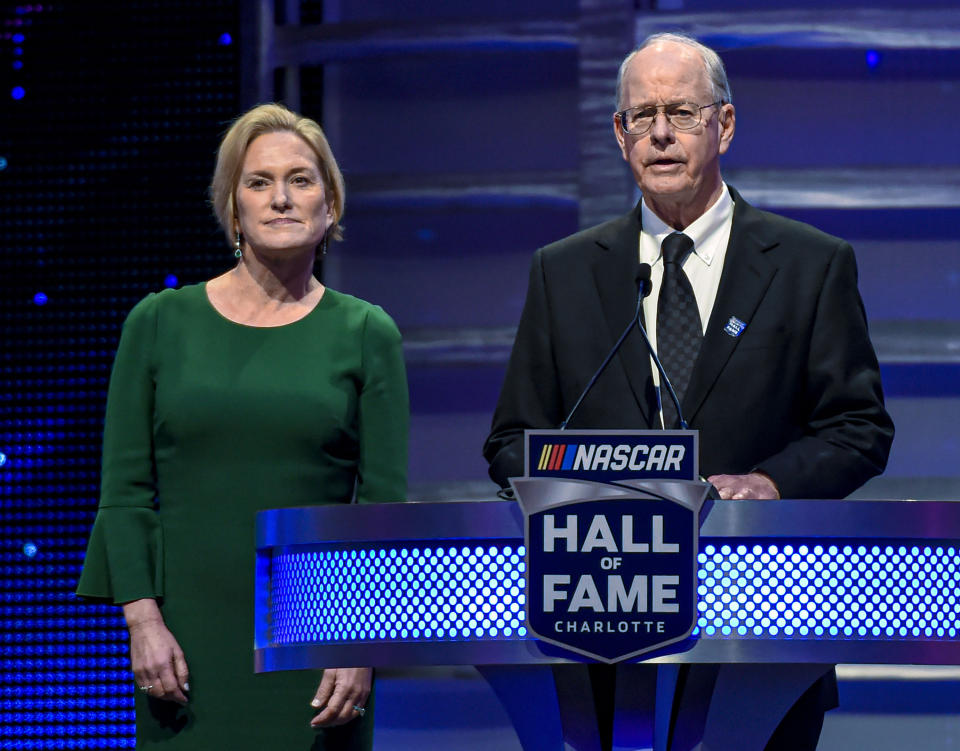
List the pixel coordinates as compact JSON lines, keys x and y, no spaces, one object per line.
{"x":341,"y":696}
{"x":159,"y":667}
{"x":756,"y":486}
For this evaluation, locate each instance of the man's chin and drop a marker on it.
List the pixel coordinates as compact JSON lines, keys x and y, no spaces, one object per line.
{"x":665,"y":192}
{"x":668,"y":186}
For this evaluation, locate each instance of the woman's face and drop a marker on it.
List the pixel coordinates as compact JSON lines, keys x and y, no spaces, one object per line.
{"x":281,"y":201}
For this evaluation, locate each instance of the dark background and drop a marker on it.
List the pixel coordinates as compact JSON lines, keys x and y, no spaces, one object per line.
{"x":108,"y":153}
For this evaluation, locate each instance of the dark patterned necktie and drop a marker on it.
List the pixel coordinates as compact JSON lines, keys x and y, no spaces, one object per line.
{"x":679,"y":331}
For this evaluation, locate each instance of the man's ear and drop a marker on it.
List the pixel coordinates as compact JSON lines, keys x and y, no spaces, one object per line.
{"x":728,"y":124}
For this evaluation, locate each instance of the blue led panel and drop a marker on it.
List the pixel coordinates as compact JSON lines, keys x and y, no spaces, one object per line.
{"x":818,"y":589}
{"x":451,"y":592}
{"x":830,"y":590}
{"x":96,"y":214}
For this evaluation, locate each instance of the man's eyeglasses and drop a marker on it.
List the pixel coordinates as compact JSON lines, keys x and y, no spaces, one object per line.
{"x":681,"y":115}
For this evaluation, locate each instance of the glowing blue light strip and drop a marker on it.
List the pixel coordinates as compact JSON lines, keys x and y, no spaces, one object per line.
{"x":826,"y":591}
{"x":407,"y":592}
{"x":747,"y":590}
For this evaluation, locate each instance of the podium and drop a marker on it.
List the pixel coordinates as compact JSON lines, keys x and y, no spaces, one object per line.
{"x":786,"y":589}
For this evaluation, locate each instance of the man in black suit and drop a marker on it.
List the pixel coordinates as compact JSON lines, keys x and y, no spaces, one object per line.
{"x":785,"y":389}
{"x":774,"y":364}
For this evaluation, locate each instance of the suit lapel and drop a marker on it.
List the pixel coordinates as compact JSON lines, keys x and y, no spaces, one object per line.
{"x":613,"y":270}
{"x":747,"y":273}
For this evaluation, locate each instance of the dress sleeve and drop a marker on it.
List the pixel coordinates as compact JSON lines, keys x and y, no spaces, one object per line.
{"x":124,"y":559}
{"x":384,"y":413}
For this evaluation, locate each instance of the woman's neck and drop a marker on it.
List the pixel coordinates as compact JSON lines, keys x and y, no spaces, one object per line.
{"x":274,"y":281}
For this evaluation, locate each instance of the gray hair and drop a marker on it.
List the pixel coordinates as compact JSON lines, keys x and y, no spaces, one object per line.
{"x":716,"y":73}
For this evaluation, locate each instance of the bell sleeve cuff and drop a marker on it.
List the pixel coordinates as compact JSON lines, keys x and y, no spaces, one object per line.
{"x":124,"y":560}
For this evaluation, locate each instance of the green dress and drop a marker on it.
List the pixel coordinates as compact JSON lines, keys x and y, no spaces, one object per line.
{"x":209,"y":421}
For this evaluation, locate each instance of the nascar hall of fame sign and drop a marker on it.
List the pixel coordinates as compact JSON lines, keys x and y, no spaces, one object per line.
{"x":611,"y":566}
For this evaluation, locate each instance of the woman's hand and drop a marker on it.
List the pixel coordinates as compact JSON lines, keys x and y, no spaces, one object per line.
{"x":341,"y":696}
{"x":159,"y":667}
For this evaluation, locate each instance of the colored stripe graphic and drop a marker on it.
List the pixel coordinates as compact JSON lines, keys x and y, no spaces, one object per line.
{"x":558,"y":451}
{"x":557,"y":456}
{"x":547,"y":456}
{"x":544,"y":456}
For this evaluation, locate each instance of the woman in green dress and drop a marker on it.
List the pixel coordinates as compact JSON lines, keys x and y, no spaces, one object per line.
{"x":258,"y":389}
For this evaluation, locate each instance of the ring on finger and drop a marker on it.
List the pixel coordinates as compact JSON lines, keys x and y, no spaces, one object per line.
{"x":145,"y":689}
{"x":359,"y":710}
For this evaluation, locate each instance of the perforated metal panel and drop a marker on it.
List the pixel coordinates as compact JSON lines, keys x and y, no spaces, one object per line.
{"x":442,"y":593}
{"x":832,"y":591}
{"x":803,"y":590}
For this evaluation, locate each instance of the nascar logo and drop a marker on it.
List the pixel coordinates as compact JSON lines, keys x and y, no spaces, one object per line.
{"x":590,"y":457}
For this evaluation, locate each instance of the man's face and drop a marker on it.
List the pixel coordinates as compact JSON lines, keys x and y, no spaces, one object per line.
{"x":677,"y":170}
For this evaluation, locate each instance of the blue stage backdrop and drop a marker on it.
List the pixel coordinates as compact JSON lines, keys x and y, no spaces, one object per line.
{"x":109,"y":122}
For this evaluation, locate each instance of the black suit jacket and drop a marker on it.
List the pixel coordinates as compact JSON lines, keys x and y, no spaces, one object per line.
{"x":796,"y":395}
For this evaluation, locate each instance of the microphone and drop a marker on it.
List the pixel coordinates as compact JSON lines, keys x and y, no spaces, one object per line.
{"x":642,"y":280}
{"x":644,"y":285}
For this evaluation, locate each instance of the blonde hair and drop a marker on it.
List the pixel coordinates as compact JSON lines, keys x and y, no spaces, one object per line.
{"x":271,"y":118}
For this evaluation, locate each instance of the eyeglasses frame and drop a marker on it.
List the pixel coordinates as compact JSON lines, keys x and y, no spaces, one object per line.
{"x":661,"y":110}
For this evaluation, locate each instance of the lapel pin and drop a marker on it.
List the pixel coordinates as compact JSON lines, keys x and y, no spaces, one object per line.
{"x":734,"y":327}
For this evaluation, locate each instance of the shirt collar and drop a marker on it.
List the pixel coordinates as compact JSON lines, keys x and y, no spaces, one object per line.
{"x":700,"y":231}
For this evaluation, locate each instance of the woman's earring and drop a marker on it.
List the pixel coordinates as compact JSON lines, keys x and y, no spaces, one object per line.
{"x":237,"y":253}
{"x":323,"y":246}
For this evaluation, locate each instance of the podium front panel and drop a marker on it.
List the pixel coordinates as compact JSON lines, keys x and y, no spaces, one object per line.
{"x":444,"y":583}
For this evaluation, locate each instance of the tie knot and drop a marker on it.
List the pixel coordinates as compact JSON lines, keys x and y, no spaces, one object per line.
{"x":676,"y":247}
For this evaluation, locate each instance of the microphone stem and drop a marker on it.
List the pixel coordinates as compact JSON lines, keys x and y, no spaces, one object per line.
{"x":664,"y":381}
{"x":603,"y":366}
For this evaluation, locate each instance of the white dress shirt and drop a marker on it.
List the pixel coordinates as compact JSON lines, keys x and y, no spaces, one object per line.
{"x":710,"y":234}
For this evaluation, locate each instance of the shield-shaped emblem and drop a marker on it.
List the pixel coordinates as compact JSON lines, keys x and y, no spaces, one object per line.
{"x":611,"y":567}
